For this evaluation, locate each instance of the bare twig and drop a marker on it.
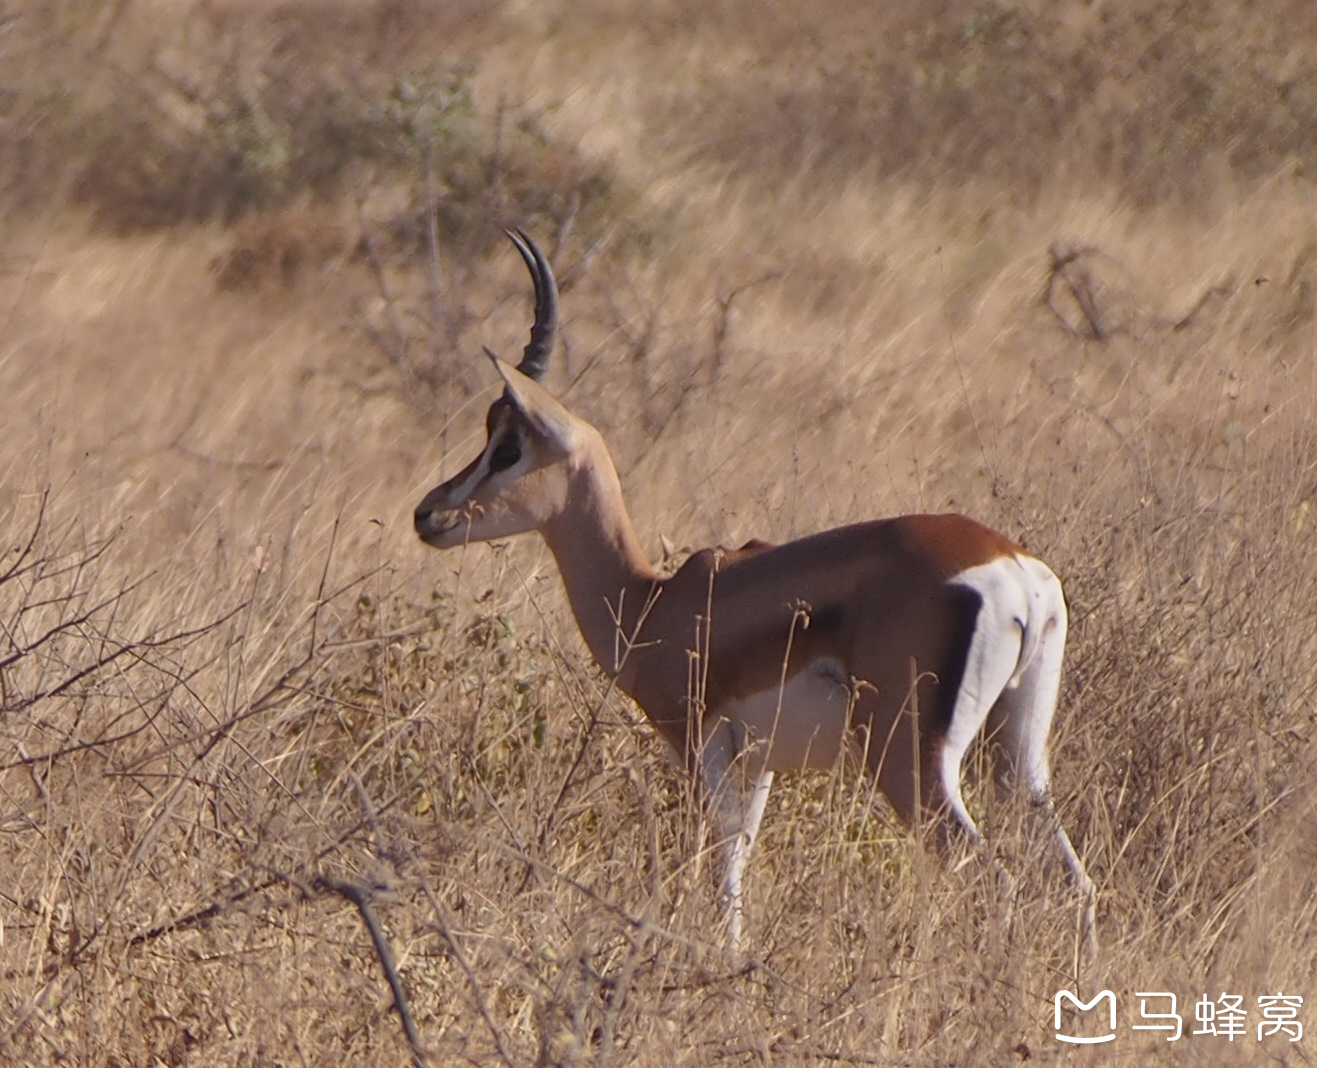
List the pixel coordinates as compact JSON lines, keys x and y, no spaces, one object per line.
{"x":396,"y":346}
{"x":565,"y":227}
{"x":213,"y":910}
{"x":218,"y":461}
{"x":722,"y":326}
{"x":626,"y":643}
{"x":1069,"y":274}
{"x":1093,"y":305}
{"x":620,"y":986}
{"x":361,"y":897}
{"x":24,"y":551}
{"x":1211,"y":295}
{"x":133,"y":649}
{"x":445,"y":924}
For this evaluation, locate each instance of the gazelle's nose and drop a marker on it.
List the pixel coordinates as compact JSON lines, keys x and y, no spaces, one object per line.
{"x":428,"y":513}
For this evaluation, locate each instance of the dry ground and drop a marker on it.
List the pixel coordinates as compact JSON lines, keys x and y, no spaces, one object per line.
{"x":250,"y":254}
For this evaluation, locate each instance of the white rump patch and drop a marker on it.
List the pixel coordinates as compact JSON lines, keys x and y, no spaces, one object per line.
{"x":1021,"y":604}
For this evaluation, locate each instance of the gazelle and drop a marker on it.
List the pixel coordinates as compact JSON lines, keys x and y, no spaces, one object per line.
{"x":895,"y":641}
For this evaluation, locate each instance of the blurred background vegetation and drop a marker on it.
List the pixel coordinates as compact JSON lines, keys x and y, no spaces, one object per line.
{"x":1052,"y":264}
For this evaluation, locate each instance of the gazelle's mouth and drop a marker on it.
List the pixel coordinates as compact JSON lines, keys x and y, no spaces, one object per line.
{"x":434,"y":527}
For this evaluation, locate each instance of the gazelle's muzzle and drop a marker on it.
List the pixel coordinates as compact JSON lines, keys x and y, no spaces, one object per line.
{"x":443,"y":517}
{"x":434,"y":526}
{"x":437,"y":522}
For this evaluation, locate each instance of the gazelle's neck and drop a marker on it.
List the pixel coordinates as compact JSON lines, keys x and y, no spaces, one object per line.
{"x":609,"y":581}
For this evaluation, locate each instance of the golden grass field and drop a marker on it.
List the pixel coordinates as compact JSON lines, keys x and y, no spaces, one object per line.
{"x":250,"y":253}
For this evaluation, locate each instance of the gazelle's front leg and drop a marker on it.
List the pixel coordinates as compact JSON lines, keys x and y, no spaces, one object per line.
{"x":736,"y":793}
{"x":740,"y":838}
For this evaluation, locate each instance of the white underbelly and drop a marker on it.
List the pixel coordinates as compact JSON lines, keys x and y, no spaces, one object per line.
{"x":803,"y":724}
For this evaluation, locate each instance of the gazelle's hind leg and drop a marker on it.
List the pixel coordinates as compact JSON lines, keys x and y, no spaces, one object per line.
{"x":992,"y":662}
{"x":1021,"y":723}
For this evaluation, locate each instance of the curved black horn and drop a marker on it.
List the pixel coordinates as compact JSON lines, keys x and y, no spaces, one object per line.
{"x":544,"y":334}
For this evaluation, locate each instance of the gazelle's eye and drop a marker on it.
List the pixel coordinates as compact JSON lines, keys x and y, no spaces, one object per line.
{"x":506,"y":453}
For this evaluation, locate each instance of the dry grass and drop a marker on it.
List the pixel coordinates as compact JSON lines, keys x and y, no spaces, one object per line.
{"x":231,"y":681}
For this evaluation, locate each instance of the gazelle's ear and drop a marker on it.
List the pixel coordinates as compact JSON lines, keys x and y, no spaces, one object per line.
{"x":538,"y":405}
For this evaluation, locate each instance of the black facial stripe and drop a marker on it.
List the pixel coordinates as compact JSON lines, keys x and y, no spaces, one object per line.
{"x":506,"y":453}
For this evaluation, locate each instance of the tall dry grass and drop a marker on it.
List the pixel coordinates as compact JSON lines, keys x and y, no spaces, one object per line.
{"x":234,"y":691}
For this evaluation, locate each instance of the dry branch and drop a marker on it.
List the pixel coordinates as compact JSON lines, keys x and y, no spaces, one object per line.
{"x":1093,"y":295}
{"x":1069,"y":274}
{"x":360,"y":896}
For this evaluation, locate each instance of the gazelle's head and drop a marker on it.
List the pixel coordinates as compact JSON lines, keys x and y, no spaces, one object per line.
{"x":519,"y":482}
